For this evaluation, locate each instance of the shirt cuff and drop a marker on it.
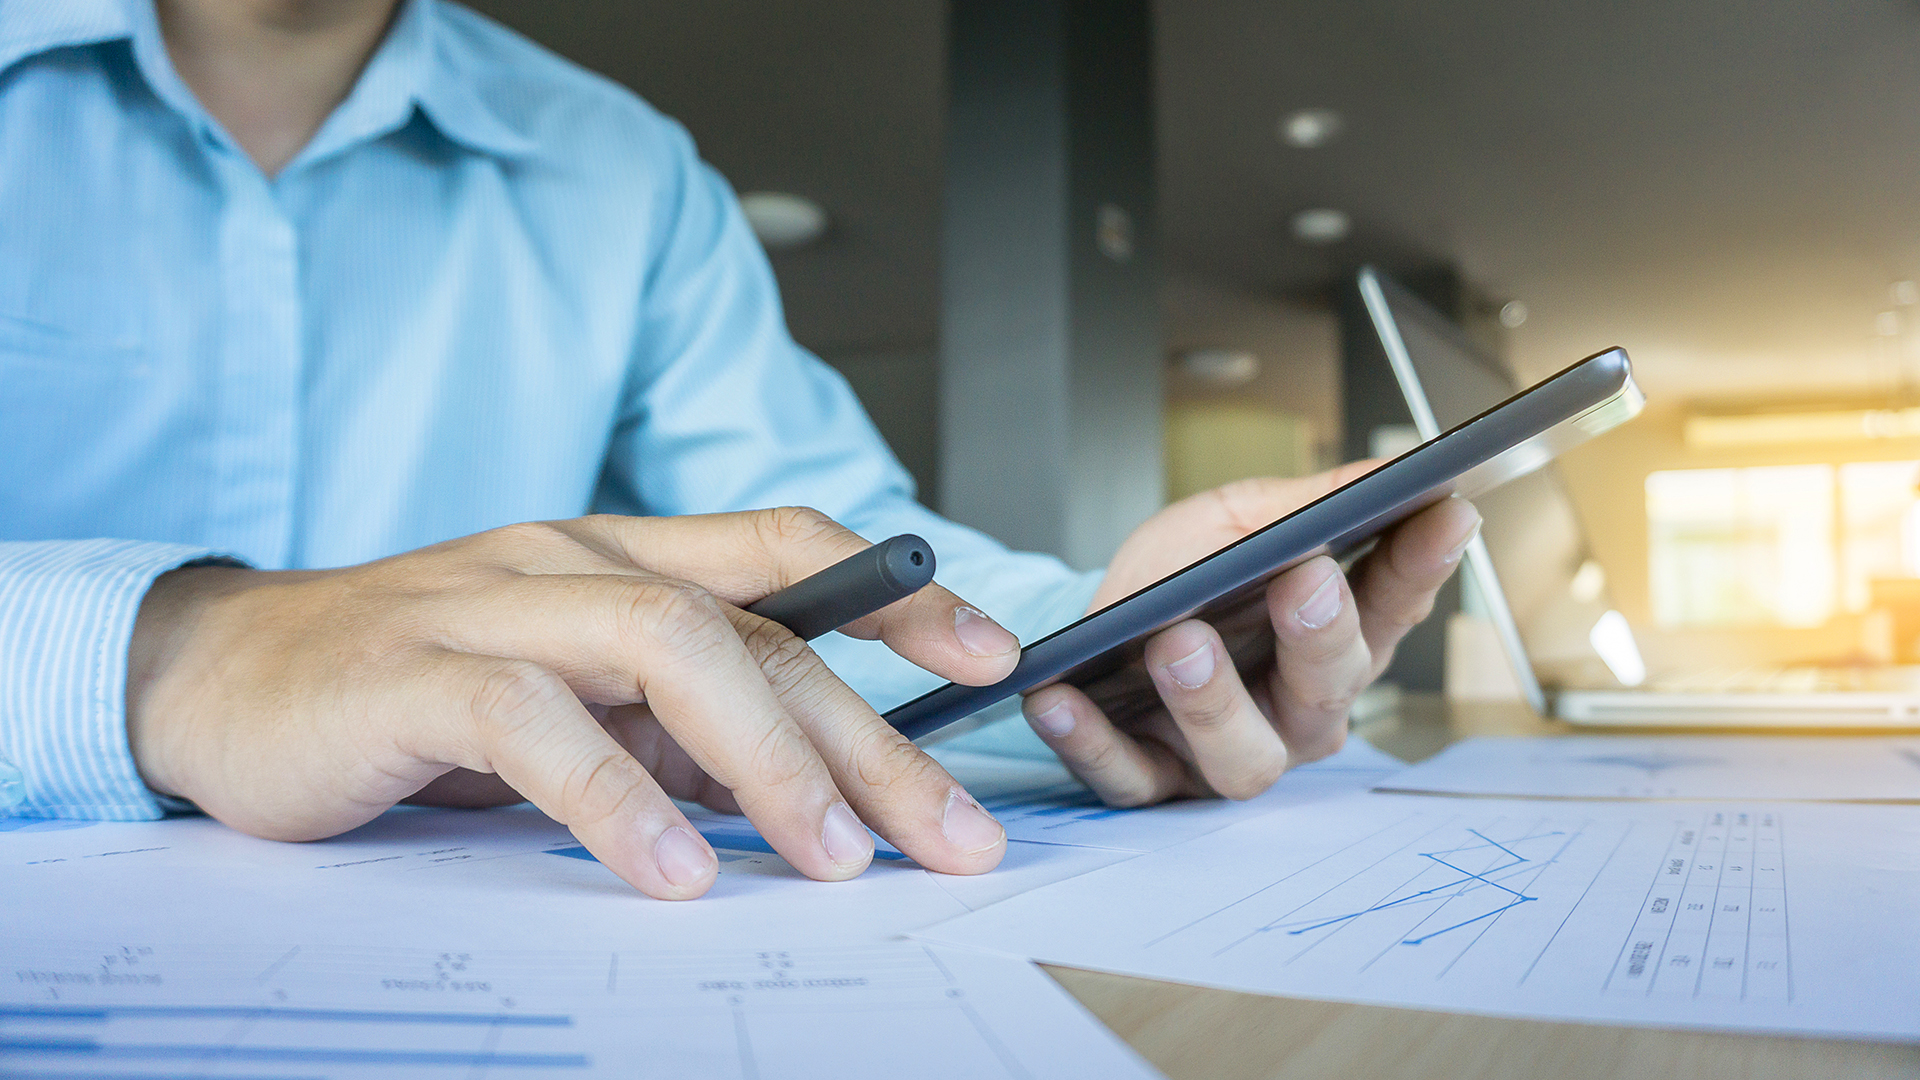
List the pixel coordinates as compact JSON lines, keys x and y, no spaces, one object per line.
{"x":67,"y":610}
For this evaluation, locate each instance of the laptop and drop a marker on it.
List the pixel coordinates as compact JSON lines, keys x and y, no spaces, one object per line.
{"x":1531,"y":573}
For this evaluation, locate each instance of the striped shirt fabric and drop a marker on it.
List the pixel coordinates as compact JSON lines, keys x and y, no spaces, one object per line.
{"x":493,"y":288}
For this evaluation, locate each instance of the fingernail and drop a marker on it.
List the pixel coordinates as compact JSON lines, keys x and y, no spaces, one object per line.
{"x":1323,"y":606}
{"x":980,"y":635}
{"x":848,"y":842}
{"x":682,"y":858}
{"x":1194,"y":669}
{"x":1460,"y":548}
{"x":968,"y":827}
{"x":1057,"y":721}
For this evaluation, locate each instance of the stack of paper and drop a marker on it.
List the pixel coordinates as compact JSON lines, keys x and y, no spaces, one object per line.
{"x":1722,"y":911}
{"x":474,"y":943}
{"x":1834,"y":768}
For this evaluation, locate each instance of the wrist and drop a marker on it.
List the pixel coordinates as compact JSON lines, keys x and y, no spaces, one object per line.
{"x":173,"y":613}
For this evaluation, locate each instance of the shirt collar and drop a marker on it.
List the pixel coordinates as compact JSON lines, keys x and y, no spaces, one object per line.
{"x":418,"y":66}
{"x":31,"y":27}
{"x":449,"y":93}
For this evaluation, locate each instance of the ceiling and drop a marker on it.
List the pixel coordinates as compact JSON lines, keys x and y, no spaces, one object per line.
{"x":1729,"y":189}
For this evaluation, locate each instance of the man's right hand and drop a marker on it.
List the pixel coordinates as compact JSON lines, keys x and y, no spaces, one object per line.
{"x":551,"y":661}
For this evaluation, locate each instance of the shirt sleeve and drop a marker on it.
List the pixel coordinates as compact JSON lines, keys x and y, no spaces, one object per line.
{"x":67,"y":610}
{"x":727,"y":412}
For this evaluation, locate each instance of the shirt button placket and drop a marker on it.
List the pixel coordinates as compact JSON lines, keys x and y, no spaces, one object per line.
{"x":260,"y":370}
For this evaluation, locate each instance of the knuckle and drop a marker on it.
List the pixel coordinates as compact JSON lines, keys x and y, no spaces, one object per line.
{"x":598,"y":788}
{"x":1407,"y":556}
{"x":1326,"y":745}
{"x":883,"y":758}
{"x":513,"y":695}
{"x":786,"y":526}
{"x":1405,"y":618}
{"x":1128,"y":795}
{"x":784,"y":658}
{"x":781,"y":757}
{"x":1117,"y":782}
{"x":1323,"y":647}
{"x":529,"y":535}
{"x":1102,"y":761}
{"x":1101,"y":758}
{"x":1335,"y":703}
{"x":1208,"y":715}
{"x":676,"y":615}
{"x":1254,"y":778}
{"x":1334,"y":648}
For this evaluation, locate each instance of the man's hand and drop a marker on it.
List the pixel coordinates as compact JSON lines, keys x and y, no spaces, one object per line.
{"x":1209,"y":715}
{"x":594,"y":666}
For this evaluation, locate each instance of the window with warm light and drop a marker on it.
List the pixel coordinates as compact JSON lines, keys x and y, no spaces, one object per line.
{"x":1786,"y":545}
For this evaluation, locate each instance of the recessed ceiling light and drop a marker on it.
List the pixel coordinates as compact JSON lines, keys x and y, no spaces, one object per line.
{"x":783,"y":221}
{"x":1905,"y":293}
{"x":1113,"y":232}
{"x":1513,"y":314}
{"x":1221,"y":367}
{"x":1309,"y":128}
{"x":1321,"y":225}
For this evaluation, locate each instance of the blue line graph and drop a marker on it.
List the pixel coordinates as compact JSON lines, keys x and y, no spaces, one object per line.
{"x":1462,"y":885}
{"x":1652,"y":763}
{"x":102,"y":1013}
{"x":1075,"y":803}
{"x":42,"y":1074}
{"x":727,"y":838}
{"x":93,"y":1048}
{"x":1079,"y":812}
{"x":18,"y":1046}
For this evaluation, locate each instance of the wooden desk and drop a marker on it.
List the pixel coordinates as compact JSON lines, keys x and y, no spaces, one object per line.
{"x":1192,"y":1033}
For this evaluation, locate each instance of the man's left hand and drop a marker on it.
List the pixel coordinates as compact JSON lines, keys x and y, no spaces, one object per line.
{"x":1209,"y":727}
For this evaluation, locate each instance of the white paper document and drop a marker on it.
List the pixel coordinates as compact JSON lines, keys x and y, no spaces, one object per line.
{"x":451,"y":944}
{"x":135,"y":1009}
{"x":1673,"y":767}
{"x":490,"y":943}
{"x":1042,"y":802}
{"x":1758,"y":917}
{"x":1027,"y":866}
{"x":1058,"y":829}
{"x":509,"y":874}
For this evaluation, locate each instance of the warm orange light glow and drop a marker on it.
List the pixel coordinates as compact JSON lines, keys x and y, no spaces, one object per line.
{"x":1772,"y":429}
{"x":1780,"y":545}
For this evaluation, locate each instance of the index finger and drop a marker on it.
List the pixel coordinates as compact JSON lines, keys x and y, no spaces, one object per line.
{"x":745,"y":557}
{"x":515,"y":719}
{"x":1394,"y":586}
{"x":626,"y":638}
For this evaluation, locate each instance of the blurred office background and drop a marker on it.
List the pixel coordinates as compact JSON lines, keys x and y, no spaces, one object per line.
{"x":1730,"y":190}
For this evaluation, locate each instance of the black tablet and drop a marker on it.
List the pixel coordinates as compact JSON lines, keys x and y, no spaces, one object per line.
{"x":1099,"y":652}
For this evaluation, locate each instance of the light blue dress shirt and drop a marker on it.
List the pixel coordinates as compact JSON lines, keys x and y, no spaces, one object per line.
{"x":494,"y":288}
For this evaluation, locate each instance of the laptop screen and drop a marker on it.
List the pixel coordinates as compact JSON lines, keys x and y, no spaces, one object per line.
{"x":1537,"y":578}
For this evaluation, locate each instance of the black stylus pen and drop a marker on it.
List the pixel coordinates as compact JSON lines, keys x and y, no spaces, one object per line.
{"x":854,"y":587}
